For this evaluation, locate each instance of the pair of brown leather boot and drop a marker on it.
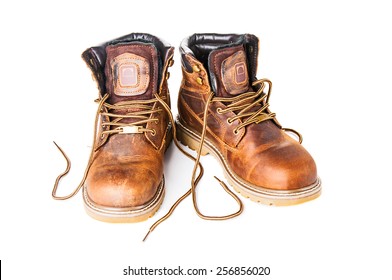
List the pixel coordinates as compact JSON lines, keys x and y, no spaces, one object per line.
{"x":223,"y":110}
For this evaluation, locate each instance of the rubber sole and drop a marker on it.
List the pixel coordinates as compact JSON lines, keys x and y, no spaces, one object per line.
{"x":256,"y":193}
{"x":124,"y":215}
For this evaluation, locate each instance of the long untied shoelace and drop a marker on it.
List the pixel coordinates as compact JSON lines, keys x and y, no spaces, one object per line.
{"x":242,"y":105}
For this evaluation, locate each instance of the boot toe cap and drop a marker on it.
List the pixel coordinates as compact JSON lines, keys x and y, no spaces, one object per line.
{"x":284,"y":168}
{"x":122,"y":186}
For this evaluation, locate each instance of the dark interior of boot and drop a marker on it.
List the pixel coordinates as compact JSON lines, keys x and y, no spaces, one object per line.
{"x":202,"y":44}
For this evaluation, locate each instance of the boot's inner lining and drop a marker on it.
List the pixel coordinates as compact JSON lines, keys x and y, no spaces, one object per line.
{"x":203,"y":44}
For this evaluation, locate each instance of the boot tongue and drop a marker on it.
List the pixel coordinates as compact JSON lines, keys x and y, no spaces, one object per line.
{"x":131,"y":71}
{"x":228,"y":67}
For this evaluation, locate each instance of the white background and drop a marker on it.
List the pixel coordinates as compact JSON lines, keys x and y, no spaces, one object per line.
{"x":330,"y":65}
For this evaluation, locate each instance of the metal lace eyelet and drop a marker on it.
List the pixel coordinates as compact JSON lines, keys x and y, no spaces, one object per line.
{"x":229,"y":121}
{"x":199,"y":80}
{"x":153,"y":132}
{"x":196,"y":68}
{"x":235,"y":131}
{"x":102,"y":136}
{"x":219,"y":111}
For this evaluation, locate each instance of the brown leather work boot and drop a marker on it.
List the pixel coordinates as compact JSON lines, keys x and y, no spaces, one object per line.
{"x":224,"y":107}
{"x":124,"y":179}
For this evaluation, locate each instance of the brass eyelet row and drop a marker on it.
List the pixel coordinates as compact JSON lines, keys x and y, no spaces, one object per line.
{"x":228,"y":120}
{"x":170,"y":64}
{"x":196,"y":69}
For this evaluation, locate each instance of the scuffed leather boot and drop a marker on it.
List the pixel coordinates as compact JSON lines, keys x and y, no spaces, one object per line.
{"x":224,"y":107}
{"x":124,"y":179}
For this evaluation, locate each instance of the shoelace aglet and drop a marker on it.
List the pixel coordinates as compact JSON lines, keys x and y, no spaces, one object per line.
{"x":220,"y":181}
{"x":61,"y":150}
{"x":56,"y":145}
{"x":149,"y":231}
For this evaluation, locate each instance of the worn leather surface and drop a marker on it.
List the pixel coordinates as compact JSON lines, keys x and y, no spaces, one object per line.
{"x":230,"y":67}
{"x":234,"y":73}
{"x":143,"y":58}
{"x":126,"y":172}
{"x":128,"y":168}
{"x":131,"y":74}
{"x":261,"y":154}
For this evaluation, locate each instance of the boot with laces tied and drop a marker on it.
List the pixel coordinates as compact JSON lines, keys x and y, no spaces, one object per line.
{"x":124,"y":179}
{"x":225,"y":108}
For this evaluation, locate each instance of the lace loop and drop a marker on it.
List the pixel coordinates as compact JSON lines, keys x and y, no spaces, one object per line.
{"x":300,"y":138}
{"x":194,"y":183}
{"x":77,"y":189}
{"x":195,"y":176}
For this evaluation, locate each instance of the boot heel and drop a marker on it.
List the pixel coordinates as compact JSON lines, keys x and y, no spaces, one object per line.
{"x":190,"y":140}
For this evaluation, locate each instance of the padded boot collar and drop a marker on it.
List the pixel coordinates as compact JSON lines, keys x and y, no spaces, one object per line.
{"x":200,"y":45}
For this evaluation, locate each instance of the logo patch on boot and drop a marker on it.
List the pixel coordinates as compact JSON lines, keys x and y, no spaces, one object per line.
{"x":235,"y":77}
{"x":131,"y":74}
{"x":240,"y":73}
{"x":127,"y":75}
